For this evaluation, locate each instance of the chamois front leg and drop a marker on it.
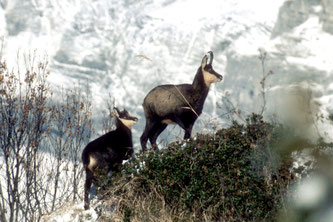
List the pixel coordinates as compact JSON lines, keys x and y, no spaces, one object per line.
{"x":187,"y":126}
{"x":188,"y":132}
{"x":144,"y":136}
{"x":151,"y":131}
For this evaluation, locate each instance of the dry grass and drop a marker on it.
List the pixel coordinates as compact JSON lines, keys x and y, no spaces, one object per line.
{"x":148,"y":206}
{"x":140,"y":207}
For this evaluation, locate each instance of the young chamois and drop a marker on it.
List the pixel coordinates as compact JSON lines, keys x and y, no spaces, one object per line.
{"x":108,"y":151}
{"x":177,"y":104}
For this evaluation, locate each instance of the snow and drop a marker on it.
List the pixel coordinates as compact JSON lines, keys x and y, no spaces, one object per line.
{"x":72,"y":213}
{"x":103,"y":45}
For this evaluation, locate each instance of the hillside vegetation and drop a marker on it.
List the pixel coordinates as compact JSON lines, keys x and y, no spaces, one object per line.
{"x":233,"y":175}
{"x":239,"y":173}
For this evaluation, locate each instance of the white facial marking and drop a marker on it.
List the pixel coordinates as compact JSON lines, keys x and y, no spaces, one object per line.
{"x":209,"y":78}
{"x":92,"y":163}
{"x":128,"y":123}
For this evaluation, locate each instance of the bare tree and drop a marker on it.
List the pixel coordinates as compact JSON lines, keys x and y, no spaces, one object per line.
{"x":40,"y":143}
{"x":23,"y":120}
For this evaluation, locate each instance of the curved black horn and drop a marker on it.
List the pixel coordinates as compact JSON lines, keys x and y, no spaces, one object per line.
{"x":211,"y":57}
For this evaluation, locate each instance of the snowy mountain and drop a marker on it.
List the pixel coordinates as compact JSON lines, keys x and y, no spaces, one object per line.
{"x":125,"y":48}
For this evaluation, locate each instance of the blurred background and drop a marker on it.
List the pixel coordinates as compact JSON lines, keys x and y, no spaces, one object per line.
{"x":122,"y":49}
{"x":275,"y":57}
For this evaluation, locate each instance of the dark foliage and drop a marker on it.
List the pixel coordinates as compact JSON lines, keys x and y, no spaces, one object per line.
{"x":217,"y":174}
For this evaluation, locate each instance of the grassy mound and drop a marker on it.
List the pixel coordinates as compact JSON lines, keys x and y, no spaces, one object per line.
{"x":232,"y":176}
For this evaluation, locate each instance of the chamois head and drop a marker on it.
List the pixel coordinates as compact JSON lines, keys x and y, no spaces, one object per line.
{"x":125,"y":118}
{"x":209,"y":74}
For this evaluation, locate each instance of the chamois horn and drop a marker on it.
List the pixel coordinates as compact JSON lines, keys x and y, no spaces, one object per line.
{"x":211,"y":57}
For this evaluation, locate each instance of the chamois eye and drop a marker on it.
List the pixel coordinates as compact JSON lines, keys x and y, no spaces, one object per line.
{"x":208,"y":67}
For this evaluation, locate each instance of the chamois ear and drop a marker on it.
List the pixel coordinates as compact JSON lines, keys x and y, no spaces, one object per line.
{"x":204,"y":62}
{"x":116,"y":111}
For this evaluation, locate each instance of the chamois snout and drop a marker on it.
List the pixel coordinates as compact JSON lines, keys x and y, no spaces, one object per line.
{"x":218,"y":76}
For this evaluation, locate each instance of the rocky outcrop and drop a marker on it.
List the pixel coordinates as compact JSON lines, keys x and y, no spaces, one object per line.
{"x":21,"y":16}
{"x":327,"y":16}
{"x":295,"y":12}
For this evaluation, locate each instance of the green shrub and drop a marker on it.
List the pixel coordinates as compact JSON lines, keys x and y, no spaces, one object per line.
{"x":215,"y":175}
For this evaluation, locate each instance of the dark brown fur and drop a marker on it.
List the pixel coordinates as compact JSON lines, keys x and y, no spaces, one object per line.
{"x":107,"y":153}
{"x":167,"y":104}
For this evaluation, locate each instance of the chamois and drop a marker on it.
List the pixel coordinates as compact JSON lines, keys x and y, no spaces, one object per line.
{"x":177,"y":104}
{"x":108,"y":151}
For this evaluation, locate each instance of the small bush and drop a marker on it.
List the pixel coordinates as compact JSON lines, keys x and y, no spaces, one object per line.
{"x":208,"y":177}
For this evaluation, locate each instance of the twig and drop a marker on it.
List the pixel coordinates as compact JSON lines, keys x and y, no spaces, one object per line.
{"x":144,"y":57}
{"x":262,"y":57}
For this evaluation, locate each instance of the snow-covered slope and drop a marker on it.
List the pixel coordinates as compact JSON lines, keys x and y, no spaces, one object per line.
{"x":103,"y":44}
{"x":125,"y":48}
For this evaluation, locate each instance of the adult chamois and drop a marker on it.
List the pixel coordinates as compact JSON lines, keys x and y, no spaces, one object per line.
{"x":177,"y":104}
{"x":108,"y":151}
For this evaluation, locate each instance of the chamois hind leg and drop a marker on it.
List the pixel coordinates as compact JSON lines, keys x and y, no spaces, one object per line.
{"x":155,"y":132}
{"x":87,"y":186}
{"x":145,"y":134}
